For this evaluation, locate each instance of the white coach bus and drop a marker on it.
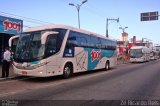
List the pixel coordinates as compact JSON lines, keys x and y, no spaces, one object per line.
{"x":61,"y":50}
{"x":139,"y":54}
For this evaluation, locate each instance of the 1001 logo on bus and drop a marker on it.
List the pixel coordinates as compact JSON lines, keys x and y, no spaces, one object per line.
{"x":11,"y":25}
{"x":96,"y":55}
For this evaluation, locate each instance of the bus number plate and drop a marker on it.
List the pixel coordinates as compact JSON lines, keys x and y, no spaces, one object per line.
{"x":24,"y":72}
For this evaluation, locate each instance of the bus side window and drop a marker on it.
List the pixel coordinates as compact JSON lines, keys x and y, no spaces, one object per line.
{"x":95,"y":42}
{"x":71,"y":42}
{"x":51,"y":45}
{"x":103,"y":46}
{"x":82,"y":41}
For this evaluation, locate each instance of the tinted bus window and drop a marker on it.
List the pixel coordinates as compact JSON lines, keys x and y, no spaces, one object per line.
{"x":54,"y":42}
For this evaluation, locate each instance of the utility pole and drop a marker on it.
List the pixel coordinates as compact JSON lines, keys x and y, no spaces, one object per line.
{"x":107,"y":24}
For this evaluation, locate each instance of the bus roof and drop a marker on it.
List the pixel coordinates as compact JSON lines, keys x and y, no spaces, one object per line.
{"x":52,"y":26}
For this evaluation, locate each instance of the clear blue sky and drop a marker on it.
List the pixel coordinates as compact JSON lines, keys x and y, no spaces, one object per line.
{"x":93,"y":15}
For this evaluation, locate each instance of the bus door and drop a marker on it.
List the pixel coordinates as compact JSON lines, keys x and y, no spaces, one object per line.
{"x":49,"y":39}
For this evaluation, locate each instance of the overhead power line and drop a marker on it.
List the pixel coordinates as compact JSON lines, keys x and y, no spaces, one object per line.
{"x":26,"y":18}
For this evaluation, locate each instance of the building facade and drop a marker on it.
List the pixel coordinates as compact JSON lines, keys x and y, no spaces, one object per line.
{"x":8,"y":27}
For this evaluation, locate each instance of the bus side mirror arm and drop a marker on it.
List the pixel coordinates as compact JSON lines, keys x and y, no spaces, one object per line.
{"x":11,"y":39}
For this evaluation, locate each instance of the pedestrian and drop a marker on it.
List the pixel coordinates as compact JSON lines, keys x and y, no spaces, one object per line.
{"x":6,"y":63}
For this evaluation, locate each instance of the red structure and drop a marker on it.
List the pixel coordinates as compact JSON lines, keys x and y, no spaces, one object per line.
{"x":125,"y":45}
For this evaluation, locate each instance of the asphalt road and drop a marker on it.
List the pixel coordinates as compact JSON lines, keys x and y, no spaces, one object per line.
{"x":125,"y":83}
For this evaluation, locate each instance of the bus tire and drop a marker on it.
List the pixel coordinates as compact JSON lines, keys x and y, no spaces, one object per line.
{"x":107,"y":66}
{"x":67,"y":71}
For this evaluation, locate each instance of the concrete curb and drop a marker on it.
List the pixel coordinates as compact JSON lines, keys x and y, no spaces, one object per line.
{"x":15,"y":77}
{"x":8,"y":78}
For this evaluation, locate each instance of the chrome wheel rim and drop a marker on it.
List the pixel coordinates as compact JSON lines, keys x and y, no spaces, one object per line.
{"x":67,"y":71}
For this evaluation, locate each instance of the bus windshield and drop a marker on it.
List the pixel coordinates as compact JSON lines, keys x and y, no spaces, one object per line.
{"x":29,"y":47}
{"x":136,"y":53}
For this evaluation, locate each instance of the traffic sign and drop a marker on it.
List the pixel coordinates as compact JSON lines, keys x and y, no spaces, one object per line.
{"x":149,"y":16}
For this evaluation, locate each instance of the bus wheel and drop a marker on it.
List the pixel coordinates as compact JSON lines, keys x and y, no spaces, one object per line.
{"x":67,"y":71}
{"x":107,"y":66}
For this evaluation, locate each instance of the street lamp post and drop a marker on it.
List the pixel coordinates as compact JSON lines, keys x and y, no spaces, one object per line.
{"x":123,"y":29}
{"x":78,"y":9}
